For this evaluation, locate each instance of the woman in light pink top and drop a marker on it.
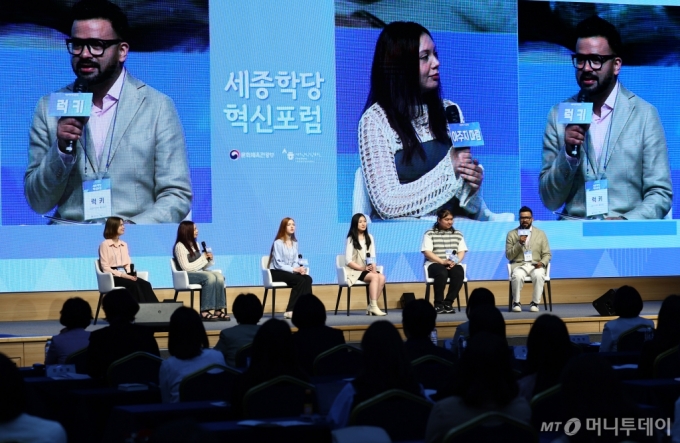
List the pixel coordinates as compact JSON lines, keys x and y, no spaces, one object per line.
{"x":114,"y":257}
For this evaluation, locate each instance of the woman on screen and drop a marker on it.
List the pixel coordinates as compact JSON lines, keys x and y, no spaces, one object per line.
{"x":189,"y":258}
{"x":408,"y":164}
{"x":284,"y":262}
{"x":114,"y":257}
{"x":360,"y":262}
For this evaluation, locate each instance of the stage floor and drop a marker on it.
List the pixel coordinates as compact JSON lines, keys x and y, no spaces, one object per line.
{"x":357,"y":319}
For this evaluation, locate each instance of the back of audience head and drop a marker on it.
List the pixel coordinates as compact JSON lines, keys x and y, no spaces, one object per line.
{"x":247,"y":309}
{"x":668,"y":323}
{"x":75,"y":313}
{"x":548,"y":350}
{"x":12,"y":397}
{"x":591,"y":389}
{"x":484,"y":375}
{"x":120,"y":307}
{"x":479,"y":297}
{"x":309,"y":312}
{"x":272,"y":348}
{"x":385,"y":363}
{"x":418,"y":318}
{"x":487,"y":319}
{"x":187,"y":337}
{"x":627,"y":302}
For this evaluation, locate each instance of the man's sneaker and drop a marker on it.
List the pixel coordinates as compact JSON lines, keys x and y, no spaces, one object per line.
{"x":440,"y":309}
{"x":448,"y":308}
{"x":517,"y":307}
{"x":533,"y":307}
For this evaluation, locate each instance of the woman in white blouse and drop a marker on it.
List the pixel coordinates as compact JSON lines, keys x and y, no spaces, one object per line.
{"x":360,"y":259}
{"x":190,"y":259}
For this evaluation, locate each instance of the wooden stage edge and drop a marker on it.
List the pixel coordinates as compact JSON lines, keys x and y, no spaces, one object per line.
{"x":29,"y":306}
{"x":46,"y":306}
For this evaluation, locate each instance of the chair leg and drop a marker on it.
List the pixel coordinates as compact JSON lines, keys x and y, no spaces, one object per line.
{"x":337,"y":303}
{"x":176,"y":294}
{"x":368,"y":296}
{"x":264,"y":301}
{"x":466,"y":293}
{"x":510,"y":297}
{"x":99,"y":304}
{"x":458,"y":300}
{"x":273,"y":301}
{"x":427,"y":292}
{"x":549,"y":295}
{"x":349,"y":293}
{"x":192,"y":299}
{"x":385,"y":298}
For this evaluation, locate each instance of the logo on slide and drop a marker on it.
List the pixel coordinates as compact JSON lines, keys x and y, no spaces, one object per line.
{"x":234,"y":154}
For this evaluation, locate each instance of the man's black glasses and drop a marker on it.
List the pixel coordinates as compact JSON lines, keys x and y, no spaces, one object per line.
{"x":594,"y":60}
{"x":96,"y":46}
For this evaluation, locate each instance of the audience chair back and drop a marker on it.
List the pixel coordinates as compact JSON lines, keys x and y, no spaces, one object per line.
{"x":78,"y":358}
{"x":633,"y":339}
{"x":269,"y":283}
{"x":340,"y":264}
{"x":212,"y":383}
{"x":432,"y":372}
{"x":667,"y":364}
{"x":341,"y":360}
{"x":283,"y":396}
{"x":138,"y":367}
{"x":403,"y":415}
{"x":488,"y":427}
{"x":104,"y":284}
{"x":547,"y":406}
{"x":242,"y":357}
{"x":546,"y":300}
{"x":430,"y":281}
{"x":180,"y":282}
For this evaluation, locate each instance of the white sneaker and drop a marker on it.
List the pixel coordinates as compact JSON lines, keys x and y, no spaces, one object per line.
{"x":533,"y":307}
{"x":516,"y":307}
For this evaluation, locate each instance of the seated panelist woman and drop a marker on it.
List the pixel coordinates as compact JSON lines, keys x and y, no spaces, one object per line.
{"x":284,"y":262}
{"x":190,"y":259}
{"x":360,"y":259}
{"x":114,"y":258}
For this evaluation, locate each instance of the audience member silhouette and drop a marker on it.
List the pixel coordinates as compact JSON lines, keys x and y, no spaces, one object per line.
{"x":549,"y":349}
{"x":385,"y":367}
{"x":487,"y":318}
{"x":15,"y":424}
{"x":478,"y":297}
{"x":627,"y":305}
{"x":76,"y":315}
{"x":313,"y":336}
{"x":667,"y":335}
{"x":247,"y":309}
{"x":273,"y":355}
{"x":484,"y":382}
{"x":591,"y":389}
{"x":121,"y":337}
{"x":419,"y":319}
{"x":189,"y":349}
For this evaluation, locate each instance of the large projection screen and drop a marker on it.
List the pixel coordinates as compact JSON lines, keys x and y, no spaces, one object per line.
{"x":270,"y":95}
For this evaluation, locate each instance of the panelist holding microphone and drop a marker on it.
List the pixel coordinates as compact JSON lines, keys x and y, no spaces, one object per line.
{"x":616,"y":167}
{"x":190,"y":259}
{"x":130,"y":152}
{"x":528,"y":251}
{"x":287,"y":266}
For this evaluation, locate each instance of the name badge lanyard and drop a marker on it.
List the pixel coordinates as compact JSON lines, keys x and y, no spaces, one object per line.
{"x":601,"y":173}
{"x":113,"y":131}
